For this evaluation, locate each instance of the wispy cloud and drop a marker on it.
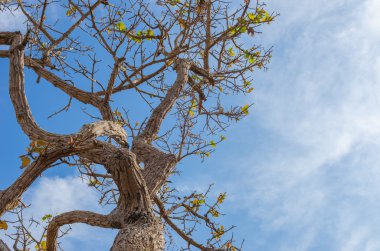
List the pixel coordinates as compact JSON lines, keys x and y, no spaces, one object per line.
{"x":12,"y":21}
{"x":316,"y":178}
{"x":58,"y":195}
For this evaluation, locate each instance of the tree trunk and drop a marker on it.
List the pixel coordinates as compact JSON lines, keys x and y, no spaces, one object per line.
{"x":141,"y":235}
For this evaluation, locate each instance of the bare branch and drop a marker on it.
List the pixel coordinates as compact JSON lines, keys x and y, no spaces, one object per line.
{"x":89,"y":218}
{"x":184,"y":236}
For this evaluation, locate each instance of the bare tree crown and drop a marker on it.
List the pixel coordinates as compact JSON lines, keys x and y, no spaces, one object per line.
{"x":178,"y":65}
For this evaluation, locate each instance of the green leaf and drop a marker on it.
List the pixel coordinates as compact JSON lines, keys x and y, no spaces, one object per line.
{"x":71,"y":11}
{"x":174,"y":2}
{"x":198,"y":202}
{"x":252,"y":16}
{"x":43,"y":245}
{"x":193,"y":108}
{"x":214,"y":213}
{"x":219,"y":232}
{"x":231,"y":52}
{"x":212,"y":143}
{"x":193,"y":104}
{"x":221,"y":198}
{"x":244,"y":109}
{"x":150,"y":32}
{"x":47,"y":217}
{"x":121,"y":26}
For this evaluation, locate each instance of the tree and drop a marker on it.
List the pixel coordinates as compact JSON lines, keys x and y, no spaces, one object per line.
{"x":178,"y":63}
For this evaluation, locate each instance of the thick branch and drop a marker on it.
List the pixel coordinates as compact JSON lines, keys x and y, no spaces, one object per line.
{"x":104,"y":128}
{"x":3,"y":246}
{"x":7,"y":37}
{"x":82,"y":96}
{"x":182,"y":67}
{"x":17,"y":91}
{"x":203,"y":73}
{"x":89,"y":218}
{"x":4,"y":53}
{"x":83,"y":141}
{"x":122,"y":164}
{"x":31,"y":173}
{"x":134,"y":195}
{"x":158,"y":165}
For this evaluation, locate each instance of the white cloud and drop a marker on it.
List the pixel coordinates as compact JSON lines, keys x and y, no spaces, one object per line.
{"x":321,"y":98}
{"x":58,"y":195}
{"x":12,"y":21}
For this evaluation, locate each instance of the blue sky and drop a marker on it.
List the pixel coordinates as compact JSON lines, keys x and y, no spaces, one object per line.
{"x":302,"y":172}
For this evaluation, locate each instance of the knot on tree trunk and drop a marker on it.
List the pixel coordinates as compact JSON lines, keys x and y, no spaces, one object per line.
{"x":138,"y":216}
{"x":142,"y":235}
